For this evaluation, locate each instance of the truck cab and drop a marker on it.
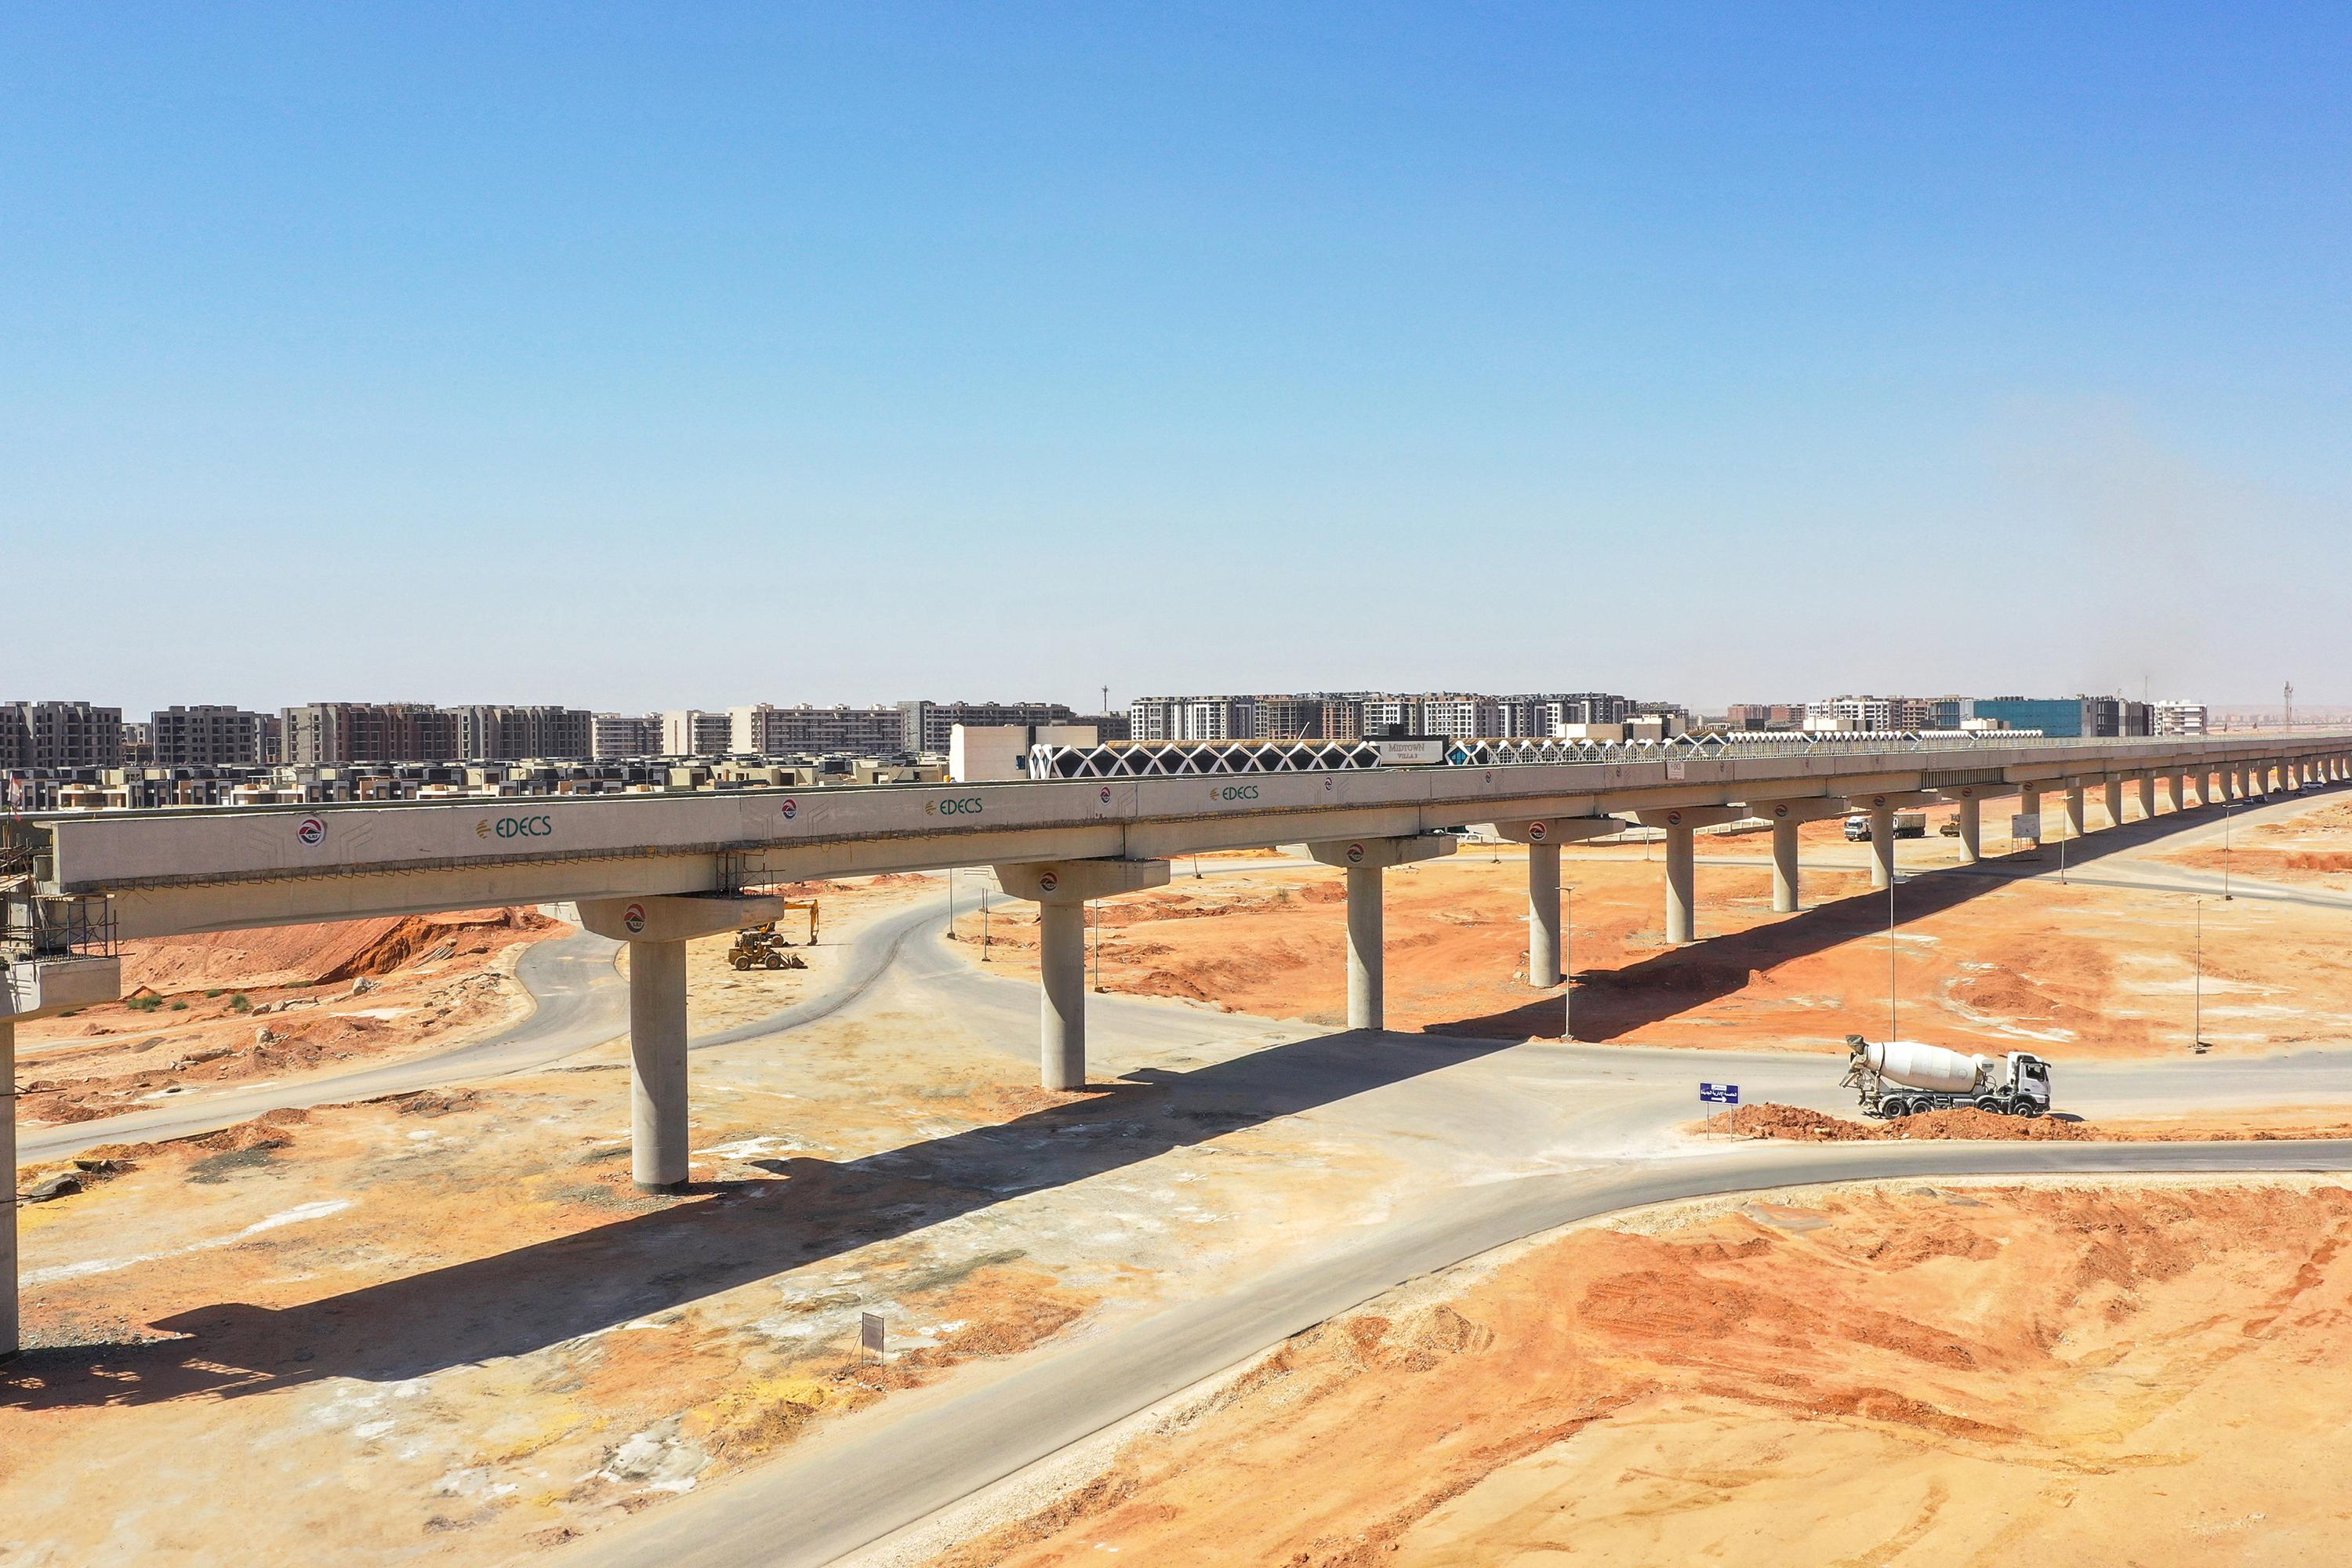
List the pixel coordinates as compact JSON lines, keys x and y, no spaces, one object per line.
{"x":2029,"y":1084}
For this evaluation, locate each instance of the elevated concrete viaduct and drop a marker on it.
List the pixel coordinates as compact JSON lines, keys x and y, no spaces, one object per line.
{"x":656,"y":871}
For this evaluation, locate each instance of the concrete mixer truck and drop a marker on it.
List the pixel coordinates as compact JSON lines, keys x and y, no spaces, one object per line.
{"x":1902,"y":1077}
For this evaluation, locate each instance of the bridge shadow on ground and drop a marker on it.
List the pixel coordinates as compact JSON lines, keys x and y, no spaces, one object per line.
{"x":1611,"y":1004}
{"x":722,"y":1236}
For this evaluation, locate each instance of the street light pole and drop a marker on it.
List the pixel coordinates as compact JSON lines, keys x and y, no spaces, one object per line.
{"x":2226,"y":894}
{"x":1892,"y":1031}
{"x":1567,"y":964}
{"x":2197,"y":1028}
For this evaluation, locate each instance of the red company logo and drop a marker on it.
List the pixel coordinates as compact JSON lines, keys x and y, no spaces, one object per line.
{"x":633,"y":917}
{"x":1105,"y":795}
{"x":1536,"y":831}
{"x":1355,"y":853}
{"x":1049,"y":881}
{"x":1674,"y":818}
{"x":1780,"y":811}
{"x":790,"y":808}
{"x":312,"y":829}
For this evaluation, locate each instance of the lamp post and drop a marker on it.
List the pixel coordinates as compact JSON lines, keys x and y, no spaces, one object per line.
{"x":983,"y":923}
{"x":1893,"y":1032}
{"x":2226,"y":895}
{"x":2197,"y":1025}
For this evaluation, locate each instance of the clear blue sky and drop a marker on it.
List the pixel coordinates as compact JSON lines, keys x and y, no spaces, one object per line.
{"x":691,"y":354}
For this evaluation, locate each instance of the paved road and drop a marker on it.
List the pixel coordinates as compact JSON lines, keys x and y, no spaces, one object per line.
{"x":580,"y":1001}
{"x":885,"y":1469}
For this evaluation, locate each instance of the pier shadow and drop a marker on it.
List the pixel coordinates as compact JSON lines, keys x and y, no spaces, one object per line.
{"x":1611,"y":1004}
{"x":717,"y":1237}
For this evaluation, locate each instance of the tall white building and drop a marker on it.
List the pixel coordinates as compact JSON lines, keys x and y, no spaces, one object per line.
{"x":1870,"y":713}
{"x":2179,"y":717}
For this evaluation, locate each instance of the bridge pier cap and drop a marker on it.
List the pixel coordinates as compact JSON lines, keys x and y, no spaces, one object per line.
{"x":1557,"y":829}
{"x":1378,"y":854}
{"x":1078,"y":882}
{"x":678,"y":916}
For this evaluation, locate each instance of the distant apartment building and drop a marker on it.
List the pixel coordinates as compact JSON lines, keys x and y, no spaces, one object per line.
{"x":1765,"y":716}
{"x":322,"y":732}
{"x":617,"y":737}
{"x":1386,"y":713}
{"x":60,"y":735}
{"x":1151,"y":718}
{"x":138,"y":745}
{"x":696,"y":732}
{"x":1191,"y":719}
{"x":488,"y":731}
{"x":1462,"y":716}
{"x":2175,"y":717}
{"x":207,"y":735}
{"x":1107,"y":726}
{"x":767,"y":731}
{"x":1218,"y":719}
{"x":926,"y":726}
{"x":1851,"y":713}
{"x":1311,"y":716}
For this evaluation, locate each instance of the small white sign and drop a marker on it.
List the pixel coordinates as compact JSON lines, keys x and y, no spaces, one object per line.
{"x":869,"y":1331}
{"x":2025,"y":827}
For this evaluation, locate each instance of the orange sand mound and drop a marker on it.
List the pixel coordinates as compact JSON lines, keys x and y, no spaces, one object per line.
{"x":1934,"y":1377}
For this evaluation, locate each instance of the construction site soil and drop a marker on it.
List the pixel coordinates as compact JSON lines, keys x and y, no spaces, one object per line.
{"x":1801,"y":1125}
{"x":1981,"y":962}
{"x":279,"y":1002}
{"x":1900,"y":1375}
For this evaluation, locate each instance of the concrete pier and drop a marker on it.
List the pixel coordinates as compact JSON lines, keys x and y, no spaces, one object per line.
{"x":2148,"y":795}
{"x":1682,"y":861}
{"x":2114,"y":801}
{"x":1785,"y":872}
{"x":1882,"y":845}
{"x":657,"y":1093}
{"x":1061,"y":890}
{"x":2029,"y":804}
{"x":1681,"y":884}
{"x":1971,"y":817}
{"x":1366,"y":950}
{"x":1062,"y":978}
{"x":1364,"y":859}
{"x":657,"y":929}
{"x":1543,"y":915}
{"x":2075,"y":811}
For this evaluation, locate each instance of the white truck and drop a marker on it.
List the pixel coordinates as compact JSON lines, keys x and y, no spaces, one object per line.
{"x":1907,"y":824}
{"x":1902,"y":1077}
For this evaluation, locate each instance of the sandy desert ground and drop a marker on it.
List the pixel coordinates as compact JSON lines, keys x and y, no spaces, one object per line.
{"x":1902,"y":1375}
{"x":1980,"y":963}
{"x":444,"y":1327}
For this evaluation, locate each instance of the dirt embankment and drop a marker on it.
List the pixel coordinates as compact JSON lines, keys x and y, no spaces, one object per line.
{"x":1901,"y":1373}
{"x":283,"y":1000}
{"x":1798,"y":1124}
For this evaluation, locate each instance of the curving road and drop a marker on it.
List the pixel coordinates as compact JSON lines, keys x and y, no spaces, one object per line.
{"x":887,"y":1469}
{"x":580,"y":1001}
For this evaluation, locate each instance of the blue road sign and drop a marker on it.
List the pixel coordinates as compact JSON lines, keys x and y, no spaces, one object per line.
{"x":1719,"y":1093}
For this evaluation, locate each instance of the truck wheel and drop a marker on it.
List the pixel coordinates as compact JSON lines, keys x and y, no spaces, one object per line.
{"x":1892,"y":1109}
{"x":775,"y":961}
{"x":1992,"y":1104}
